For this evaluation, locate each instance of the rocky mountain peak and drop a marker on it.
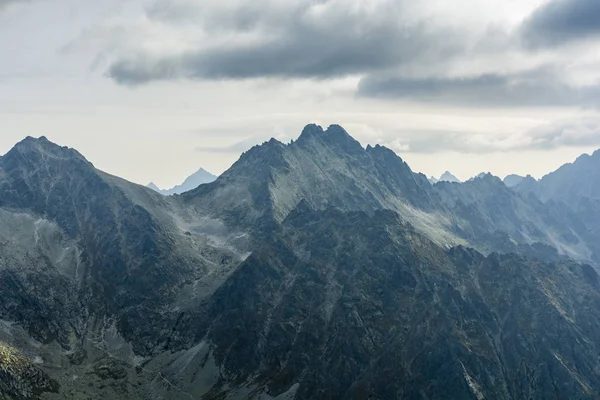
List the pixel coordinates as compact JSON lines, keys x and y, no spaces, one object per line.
{"x":198,"y":178}
{"x":513,"y":180}
{"x":153,"y":186}
{"x":31,"y":153}
{"x":310,"y":131}
{"x":334,"y":135}
{"x":43,"y":145}
{"x":448,"y":177}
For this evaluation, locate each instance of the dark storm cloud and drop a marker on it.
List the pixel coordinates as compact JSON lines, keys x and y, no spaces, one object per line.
{"x":542,"y":87}
{"x":295,"y":42}
{"x":561,"y":21}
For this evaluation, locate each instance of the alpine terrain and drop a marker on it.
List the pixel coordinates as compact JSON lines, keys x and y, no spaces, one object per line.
{"x":316,"y":269}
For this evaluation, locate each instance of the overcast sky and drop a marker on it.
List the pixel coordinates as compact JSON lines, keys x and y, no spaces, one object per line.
{"x":155,"y":89}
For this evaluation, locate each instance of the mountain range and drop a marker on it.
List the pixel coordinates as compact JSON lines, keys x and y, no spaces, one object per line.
{"x":317,"y":269}
{"x":198,"y":178}
{"x":445,"y":177}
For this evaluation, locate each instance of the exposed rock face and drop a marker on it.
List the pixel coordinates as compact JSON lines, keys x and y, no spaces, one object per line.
{"x":573,"y":190}
{"x":326,"y":168}
{"x":318,"y":269}
{"x":569,"y":183}
{"x":20,"y":379}
{"x":411,"y":320}
{"x":79,"y":247}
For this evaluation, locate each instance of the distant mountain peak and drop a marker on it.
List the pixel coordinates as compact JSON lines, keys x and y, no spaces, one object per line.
{"x":513,"y":180}
{"x":448,"y":177}
{"x":35,"y":150}
{"x":198,"y":178}
{"x":41,"y":143}
{"x":153,"y":186}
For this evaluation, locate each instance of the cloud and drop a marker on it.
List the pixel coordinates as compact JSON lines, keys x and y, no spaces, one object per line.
{"x":295,"y":39}
{"x":396,"y":49}
{"x":580,"y":132}
{"x":6,"y":3}
{"x":573,"y":132}
{"x":538,"y":87}
{"x":236,"y":148}
{"x":562,"y":21}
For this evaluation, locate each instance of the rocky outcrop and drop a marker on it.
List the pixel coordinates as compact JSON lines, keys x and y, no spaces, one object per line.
{"x":20,"y":379}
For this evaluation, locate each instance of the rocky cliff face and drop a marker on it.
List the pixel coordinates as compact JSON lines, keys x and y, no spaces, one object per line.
{"x":328,"y":168}
{"x":318,"y":308}
{"x":20,"y":379}
{"x":317,"y":269}
{"x":572,"y":190}
{"x":569,"y":183}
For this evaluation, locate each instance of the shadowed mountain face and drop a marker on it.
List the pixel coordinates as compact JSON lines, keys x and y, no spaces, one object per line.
{"x":316,"y":306}
{"x":316,"y":269}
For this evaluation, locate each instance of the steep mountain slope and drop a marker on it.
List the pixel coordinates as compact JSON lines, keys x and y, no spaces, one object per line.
{"x":570,"y":183}
{"x":83,"y":253}
{"x":317,"y":269}
{"x":351,"y":305}
{"x":490,"y":216}
{"x":128,"y":248}
{"x":20,"y":379}
{"x":325,"y":168}
{"x":572,"y":190}
{"x":330,"y":168}
{"x":198,"y":178}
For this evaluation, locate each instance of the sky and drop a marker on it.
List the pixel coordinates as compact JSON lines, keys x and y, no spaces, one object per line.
{"x":152,"y":90}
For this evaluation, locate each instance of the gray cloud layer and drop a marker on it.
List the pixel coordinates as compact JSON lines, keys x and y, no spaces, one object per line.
{"x":6,"y":3}
{"x":562,"y":21}
{"x":300,"y":41}
{"x":331,"y":38}
{"x":560,"y":134}
{"x":540,"y":87}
